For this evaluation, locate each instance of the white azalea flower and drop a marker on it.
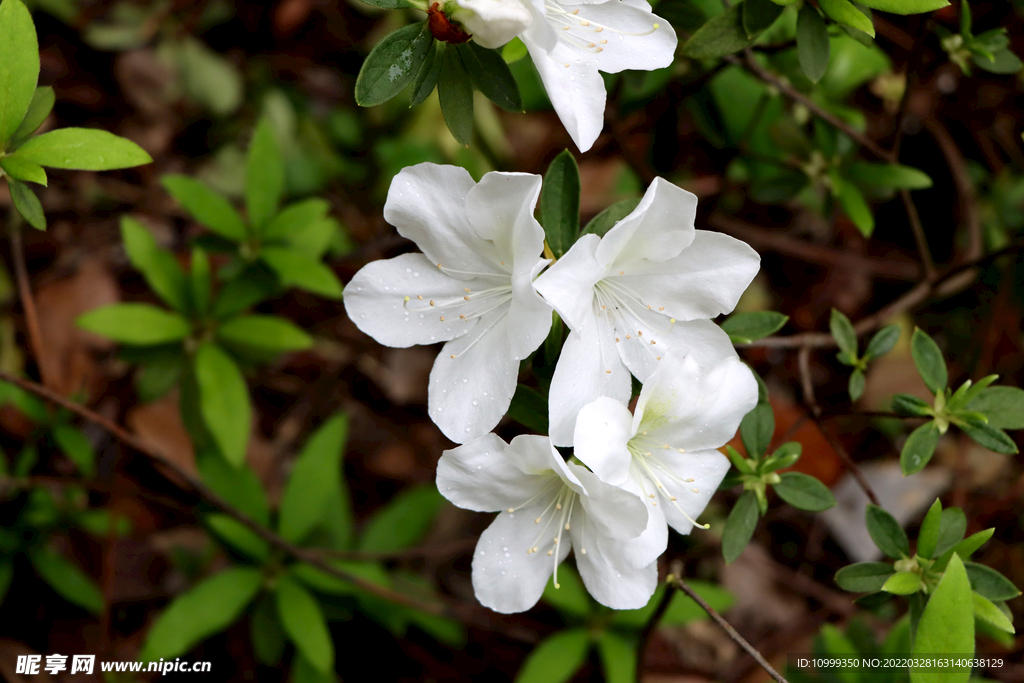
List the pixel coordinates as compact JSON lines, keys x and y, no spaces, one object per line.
{"x":651,"y":284}
{"x":665,"y":452}
{"x":471,"y":287}
{"x":571,"y":42}
{"x":492,"y":23}
{"x":547,"y":506}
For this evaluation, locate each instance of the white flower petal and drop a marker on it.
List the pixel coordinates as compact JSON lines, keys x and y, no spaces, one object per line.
{"x":647,"y":547}
{"x":492,"y":22}
{"x":613,"y":512}
{"x":500,"y":209}
{"x":658,"y":229}
{"x":588,"y":367}
{"x":615,"y":587}
{"x":687,"y":407}
{"x":479,"y":476}
{"x":533,"y":454}
{"x":652,"y":47}
{"x":603,"y":430}
{"x":703,"y":281}
{"x":426,"y":203}
{"x":375,"y":302}
{"x":529,"y":315}
{"x":568,"y":285}
{"x":574,"y":86}
{"x":506,"y":577}
{"x":470,"y":393}
{"x":705,"y":468}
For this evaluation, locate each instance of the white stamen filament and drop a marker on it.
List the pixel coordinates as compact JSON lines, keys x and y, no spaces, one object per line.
{"x":642,"y":469}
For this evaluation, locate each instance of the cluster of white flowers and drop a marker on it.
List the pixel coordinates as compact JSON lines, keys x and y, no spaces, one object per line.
{"x":569,"y":43}
{"x":637,"y":301}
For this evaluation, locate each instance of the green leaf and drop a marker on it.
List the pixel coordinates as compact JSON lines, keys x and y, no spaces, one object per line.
{"x":264,"y":175}
{"x":890,"y":176}
{"x":139,"y":324}
{"x":856,"y":384}
{"x":1003,"y":61}
{"x":392,"y":64}
{"x":618,"y":657}
{"x":744,"y":328}
{"x":560,"y":203}
{"x":943,"y":628}
{"x":65,"y":577}
{"x":267,"y":333}
{"x":739,"y":527}
{"x":919,"y":448}
{"x":295,"y":269}
{"x":952,"y":525}
{"x":238,"y":536}
{"x":991,"y":438}
{"x":83,"y":149}
{"x":315,"y":477}
{"x":784,"y":456}
{"x":388,"y":4}
{"x":223,"y":401}
{"x":990,"y":583}
{"x":758,"y":15}
{"x":26,"y":202}
{"x":812,"y":43}
{"x":199,"y":281}
{"x":906,"y":404}
{"x":928,"y":537}
{"x":455,"y":92}
{"x":864,"y":577}
{"x":990,"y":614}
{"x":426,"y":75}
{"x":19,"y":66}
{"x":403,"y":521}
{"x":844,"y":12}
{"x":304,"y":623}
{"x":970,"y":545}
{"x":513,"y":51}
{"x":720,"y":36}
{"x":882,"y":342}
{"x":854,"y":205}
{"x":206,"y":609}
{"x":208,"y":77}
{"x":843,"y":332}
{"x":19,"y":168}
{"x":570,"y":598}
{"x":74,"y":445}
{"x":606,"y":220}
{"x":886,"y":532}
{"x":40,"y":107}
{"x":756,"y":429}
{"x":295,"y":218}
{"x":266,"y":634}
{"x":906,"y":7}
{"x":491,"y":76}
{"x":804,"y":492}
{"x":326,"y":583}
{"x":1003,"y":406}
{"x":529,"y":408}
{"x":556,"y":658}
{"x":902,"y":583}
{"x":681,"y":610}
{"x":239,"y":486}
{"x":208,"y":207}
{"x":158,"y":267}
{"x":929,"y":361}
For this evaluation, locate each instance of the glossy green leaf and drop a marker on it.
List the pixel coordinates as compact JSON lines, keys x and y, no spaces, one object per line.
{"x":618,"y":657}
{"x":74,"y":445}
{"x":26,"y":171}
{"x":757,"y":15}
{"x":266,"y":633}
{"x":739,"y":526}
{"x":843,"y":332}
{"x":970,"y":545}
{"x":321,"y":581}
{"x":720,"y":36}
{"x":812,"y":43}
{"x":426,"y":75}
{"x":83,"y":149}
{"x":529,"y":408}
{"x":1003,"y":406}
{"x":928,"y":536}
{"x":854,"y":205}
{"x":929,"y":361}
{"x":206,"y":609}
{"x":19,"y":66}
{"x":890,"y":176}
{"x":392,"y":64}
{"x":138,"y":324}
{"x":991,"y":438}
{"x":206,"y":206}
{"x":784,"y":456}
{"x":264,"y":175}
{"x":989,"y":582}
{"x":556,"y":658}
{"x":856,"y":384}
{"x":919,"y":448}
{"x":304,"y":623}
{"x":315,"y":477}
{"x":403,"y":521}
{"x":906,"y":404}
{"x":295,"y":218}
{"x":906,"y":7}
{"x":952,"y":526}
{"x":1003,"y":61}
{"x":200,"y":282}
{"x":238,"y":536}
{"x":295,"y":269}
{"x":844,"y":12}
{"x":159,"y":267}
{"x":560,"y":203}
{"x":882,"y":342}
{"x":990,"y":614}
{"x":27,"y":203}
{"x":864,"y":577}
{"x":606,"y":220}
{"x":757,"y":428}
{"x":943,"y":629}
{"x":491,"y":76}
{"x":804,"y":492}
{"x":513,"y":51}
{"x":66,"y":578}
{"x":208,"y":77}
{"x":40,"y":107}
{"x":744,"y":328}
{"x":267,"y":333}
{"x":455,"y":92}
{"x":223,"y":401}
{"x":902,"y":583}
{"x":239,"y":486}
{"x":886,"y":532}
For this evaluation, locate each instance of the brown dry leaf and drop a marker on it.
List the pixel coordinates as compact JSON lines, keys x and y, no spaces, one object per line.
{"x":67,"y":350}
{"x":10,"y":650}
{"x":160,"y":424}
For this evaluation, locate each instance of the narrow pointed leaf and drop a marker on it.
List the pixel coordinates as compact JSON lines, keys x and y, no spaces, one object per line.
{"x":902,"y":583}
{"x":491,"y":76}
{"x":919,"y":448}
{"x":21,"y":169}
{"x":223,"y":401}
{"x":315,"y":477}
{"x":206,"y":206}
{"x":739,"y":526}
{"x":985,"y":610}
{"x":83,"y":149}
{"x":305,"y":624}
{"x":886,"y":532}
{"x":864,"y":577}
{"x":19,"y":66}
{"x":843,"y":333}
{"x":66,"y":578}
{"x":744,"y":328}
{"x":139,"y":324}
{"x":455,"y":92}
{"x":989,"y":582}
{"x":929,"y":361}
{"x":844,"y":12}
{"x":27,"y":204}
{"x":267,"y":333}
{"x":804,"y":492}
{"x":560,"y":203}
{"x":1002,"y":406}
{"x":905,"y":7}
{"x":295,"y":269}
{"x":392,"y":64}
{"x":928,"y":537}
{"x":943,"y":629}
{"x":556,"y":658}
{"x":264,"y":175}
{"x":40,"y":107}
{"x":812,"y":43}
{"x":159,"y":267}
{"x":882,"y":342}
{"x":891,"y":176}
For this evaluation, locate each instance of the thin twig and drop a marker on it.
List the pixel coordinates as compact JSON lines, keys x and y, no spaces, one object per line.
{"x":28,"y":306}
{"x":675,"y":569}
{"x":730,"y":631}
{"x":850,"y":462}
